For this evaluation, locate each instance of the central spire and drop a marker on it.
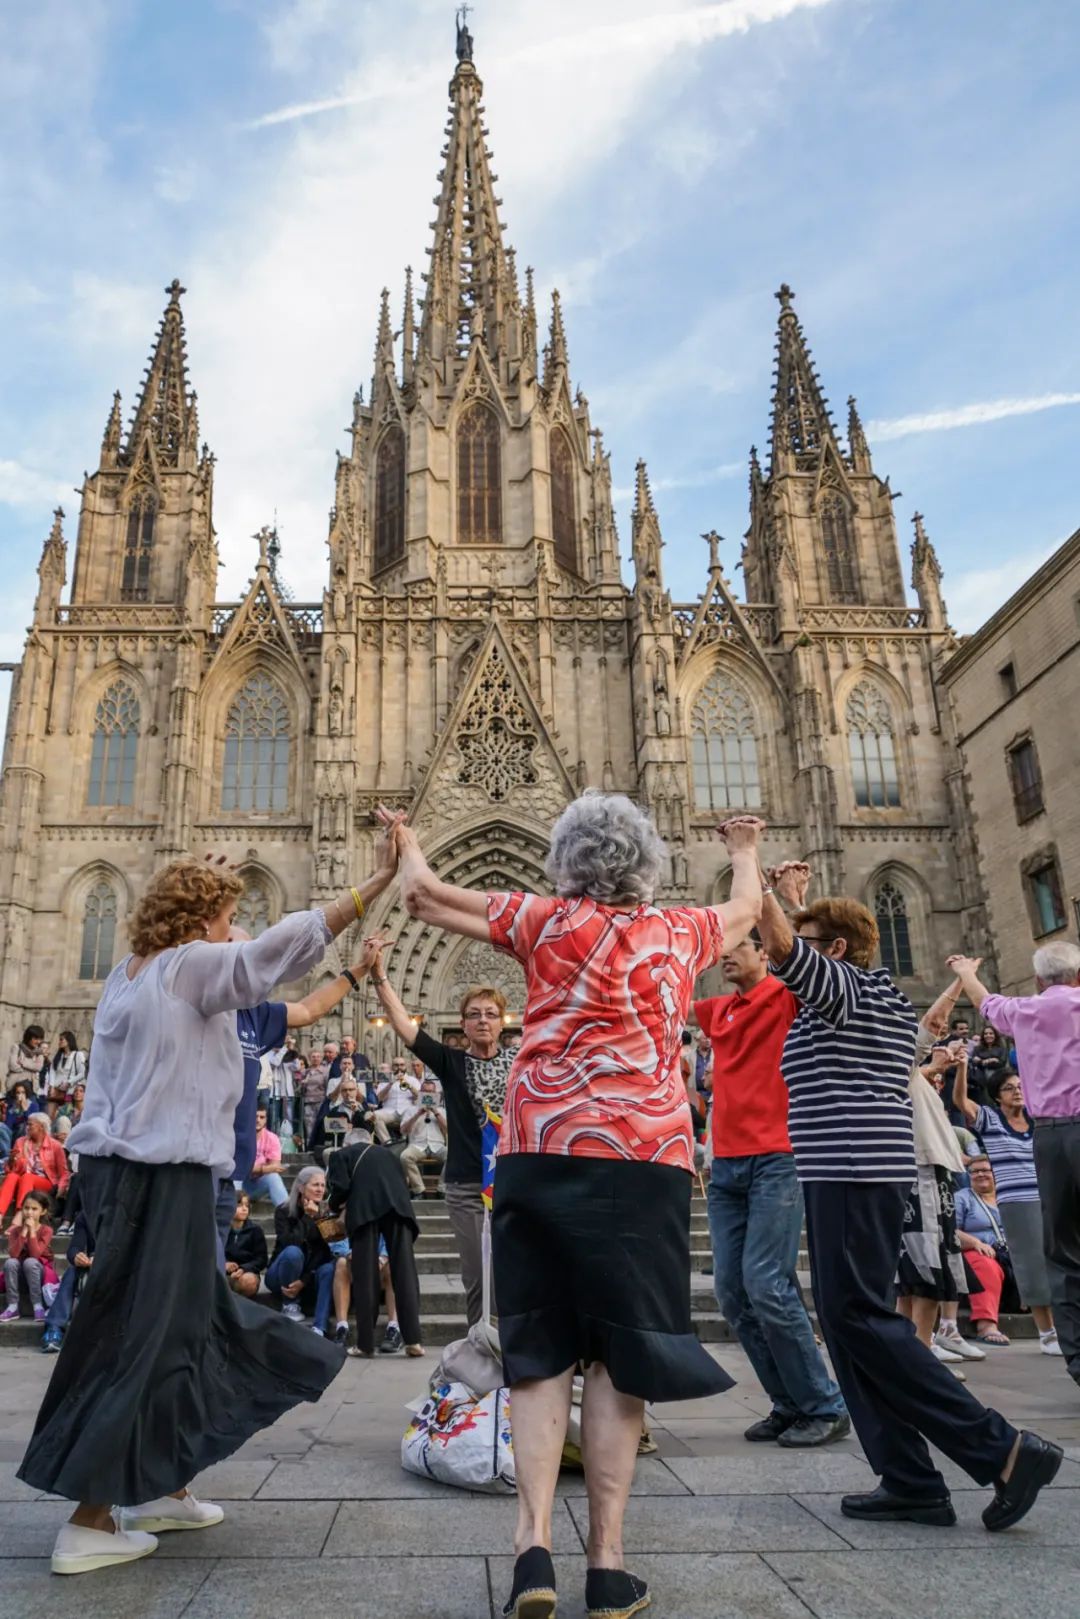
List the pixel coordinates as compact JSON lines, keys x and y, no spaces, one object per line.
{"x":471,"y":286}
{"x":801,"y":424}
{"x":166,"y":409}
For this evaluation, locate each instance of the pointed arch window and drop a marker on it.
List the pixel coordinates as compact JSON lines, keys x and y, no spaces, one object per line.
{"x":563,"y":519}
{"x":872,"y":748}
{"x":479,"y":478}
{"x":839,"y":544}
{"x":723,"y":734}
{"x":253,"y":906}
{"x":98,"y":932}
{"x":891,"y":913}
{"x":114,"y":749}
{"x":139,"y":547}
{"x":257,"y":749}
{"x":390,"y":498}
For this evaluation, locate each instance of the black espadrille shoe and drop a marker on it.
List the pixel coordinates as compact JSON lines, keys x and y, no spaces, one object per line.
{"x":611,"y":1593}
{"x":533,"y":1594}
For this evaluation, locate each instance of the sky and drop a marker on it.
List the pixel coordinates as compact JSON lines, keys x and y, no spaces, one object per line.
{"x":904,"y":164}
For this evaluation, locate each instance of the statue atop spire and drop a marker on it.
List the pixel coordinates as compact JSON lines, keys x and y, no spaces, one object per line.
{"x":165,"y":406}
{"x":464,"y":37}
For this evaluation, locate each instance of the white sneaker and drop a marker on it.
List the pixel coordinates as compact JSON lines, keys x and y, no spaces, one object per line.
{"x":80,"y":1551}
{"x":292,"y":1311}
{"x":170,"y":1513}
{"x":959,"y":1346}
{"x":948,"y":1355}
{"x":1049,"y":1346}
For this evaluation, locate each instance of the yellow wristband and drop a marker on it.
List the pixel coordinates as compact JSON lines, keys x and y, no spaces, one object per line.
{"x":358,"y":902}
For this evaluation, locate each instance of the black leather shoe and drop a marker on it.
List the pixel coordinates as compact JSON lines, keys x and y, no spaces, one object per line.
{"x":1036,"y":1464}
{"x":533,"y":1593}
{"x":610,"y":1593}
{"x":809,"y":1432}
{"x":882,"y":1506}
{"x":770,"y":1427}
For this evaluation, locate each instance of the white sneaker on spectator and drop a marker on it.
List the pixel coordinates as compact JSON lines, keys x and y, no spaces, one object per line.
{"x":292,"y":1311}
{"x":1050,"y":1345}
{"x":959,"y":1346}
{"x":943,"y":1353}
{"x":170,"y":1512}
{"x":80,"y":1551}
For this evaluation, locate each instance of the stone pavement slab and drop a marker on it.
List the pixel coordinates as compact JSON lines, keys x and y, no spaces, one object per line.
{"x":652,"y":1476}
{"x":268,"y":1530}
{"x":468,"y":1524}
{"x":1054,"y":1522}
{"x":349,"y":1588}
{"x":148,"y":1590}
{"x":738,"y":1523}
{"x":728,"y":1586}
{"x":768,"y":1470}
{"x":1004,"y":1582}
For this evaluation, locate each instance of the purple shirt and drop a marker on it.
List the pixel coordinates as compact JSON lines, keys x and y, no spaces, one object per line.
{"x":1046,"y":1030}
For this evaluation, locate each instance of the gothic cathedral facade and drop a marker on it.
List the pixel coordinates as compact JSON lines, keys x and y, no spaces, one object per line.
{"x":476,"y":656}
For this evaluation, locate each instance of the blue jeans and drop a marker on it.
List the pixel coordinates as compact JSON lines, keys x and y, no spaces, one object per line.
{"x":288,"y":1266}
{"x":62,"y":1305}
{"x":271,"y":1186}
{"x":755,"y":1219}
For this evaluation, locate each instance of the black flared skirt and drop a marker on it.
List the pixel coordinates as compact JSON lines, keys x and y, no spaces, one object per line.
{"x":592,"y":1263}
{"x":164,"y":1370}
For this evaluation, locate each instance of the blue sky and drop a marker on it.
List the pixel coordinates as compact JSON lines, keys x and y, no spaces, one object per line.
{"x":906,"y":164}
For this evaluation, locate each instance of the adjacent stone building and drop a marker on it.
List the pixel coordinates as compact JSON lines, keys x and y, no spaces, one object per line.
{"x":477,"y":655}
{"x":1014,"y":690}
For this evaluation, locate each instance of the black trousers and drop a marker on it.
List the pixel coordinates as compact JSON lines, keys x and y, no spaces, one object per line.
{"x":898,"y":1394}
{"x":1057,"y":1165}
{"x":365,"y":1278}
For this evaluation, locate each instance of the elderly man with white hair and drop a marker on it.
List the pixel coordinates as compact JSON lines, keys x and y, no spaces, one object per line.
{"x":591,"y":1222}
{"x":1045,"y":1028}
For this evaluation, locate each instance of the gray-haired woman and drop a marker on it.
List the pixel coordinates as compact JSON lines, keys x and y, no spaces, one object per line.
{"x":592,"y":1196}
{"x":302,"y":1268}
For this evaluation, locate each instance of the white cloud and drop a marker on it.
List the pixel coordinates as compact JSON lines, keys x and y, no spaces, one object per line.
{"x":986,"y":410}
{"x":21,"y":485}
{"x":973,"y":596}
{"x":690,"y":480}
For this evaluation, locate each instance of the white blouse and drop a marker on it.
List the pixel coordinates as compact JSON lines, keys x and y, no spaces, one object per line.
{"x":167,"y":1069}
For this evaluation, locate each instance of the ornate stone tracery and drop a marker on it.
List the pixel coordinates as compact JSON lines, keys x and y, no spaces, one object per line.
{"x":496,"y":738}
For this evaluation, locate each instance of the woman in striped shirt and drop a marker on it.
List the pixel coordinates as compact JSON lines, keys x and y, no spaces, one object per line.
{"x":847,"y":1060}
{"x":1008,"y":1137}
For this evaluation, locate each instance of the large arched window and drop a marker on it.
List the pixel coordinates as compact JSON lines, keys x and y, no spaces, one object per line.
{"x":139,"y":547}
{"x":114,"y":748}
{"x":563,"y":520}
{"x":256,"y":772}
{"x":724,"y":746}
{"x":479,"y":478}
{"x":839,"y":543}
{"x":98,"y":931}
{"x":253,"y":906}
{"x":872,"y":746}
{"x":891,"y":912}
{"x":390,"y":498}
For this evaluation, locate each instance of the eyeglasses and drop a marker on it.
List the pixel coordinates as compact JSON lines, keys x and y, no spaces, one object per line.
{"x":489,"y":1017}
{"x":818,"y":938}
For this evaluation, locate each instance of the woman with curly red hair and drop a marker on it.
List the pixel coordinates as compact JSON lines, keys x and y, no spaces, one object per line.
{"x":165,"y":1370}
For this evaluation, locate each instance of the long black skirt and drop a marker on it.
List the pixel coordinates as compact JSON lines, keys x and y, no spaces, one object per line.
{"x":591,"y":1263}
{"x":164,"y":1370}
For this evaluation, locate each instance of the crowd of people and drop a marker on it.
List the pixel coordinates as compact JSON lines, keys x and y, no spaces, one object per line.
{"x":811,"y":1094}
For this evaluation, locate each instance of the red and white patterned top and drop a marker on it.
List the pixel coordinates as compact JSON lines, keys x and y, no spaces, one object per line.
{"x":608,"y":992}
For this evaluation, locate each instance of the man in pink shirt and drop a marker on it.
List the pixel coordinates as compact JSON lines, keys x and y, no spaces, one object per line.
{"x":1045,"y":1029}
{"x":265,"y":1178}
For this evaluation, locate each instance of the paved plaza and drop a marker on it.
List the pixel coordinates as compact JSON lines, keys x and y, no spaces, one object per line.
{"x":321,"y":1519}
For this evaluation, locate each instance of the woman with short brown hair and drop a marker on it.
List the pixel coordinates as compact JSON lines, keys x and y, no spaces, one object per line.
{"x":165,"y":1370}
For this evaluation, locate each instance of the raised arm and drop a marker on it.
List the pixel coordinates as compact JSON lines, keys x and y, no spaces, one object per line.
{"x":400,"y":1021}
{"x":966,"y":969}
{"x":302,"y":1014}
{"x":960,"y":1097}
{"x":788,"y":882}
{"x":742,"y":910}
{"x":441,"y":905}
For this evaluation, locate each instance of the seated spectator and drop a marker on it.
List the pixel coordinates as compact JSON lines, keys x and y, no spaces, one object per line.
{"x":397,"y":1095}
{"x":66,"y":1070}
{"x":22,"y":1104}
{"x":345,"y":1102}
{"x":245,"y":1250}
{"x":420,"y":1072}
{"x":302,"y":1269}
{"x":30,"y":1255}
{"x":369,"y":1188}
{"x":80,"y":1257}
{"x":424,"y":1127}
{"x":72,"y":1110}
{"x":988,"y":1061}
{"x":26,"y":1059}
{"x":986,"y":1251}
{"x":37,"y":1164}
{"x":265,"y":1178}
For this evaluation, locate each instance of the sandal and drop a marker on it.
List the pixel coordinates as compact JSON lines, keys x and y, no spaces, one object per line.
{"x":533,"y":1595}
{"x":414,"y":1351}
{"x":613,"y":1594}
{"x":996,"y":1339}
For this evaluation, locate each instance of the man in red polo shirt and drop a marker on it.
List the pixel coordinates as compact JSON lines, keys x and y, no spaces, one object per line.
{"x":755,"y":1205}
